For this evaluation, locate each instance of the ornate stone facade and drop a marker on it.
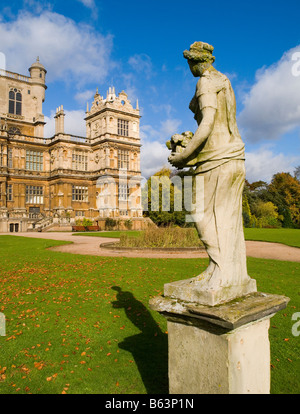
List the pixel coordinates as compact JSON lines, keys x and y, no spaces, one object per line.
{"x":47,"y":183}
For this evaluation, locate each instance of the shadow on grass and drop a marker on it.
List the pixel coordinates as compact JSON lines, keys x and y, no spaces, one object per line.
{"x":148,"y":348}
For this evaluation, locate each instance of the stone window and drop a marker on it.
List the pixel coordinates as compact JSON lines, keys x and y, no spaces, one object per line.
{"x":34,"y":160}
{"x":79,"y":213}
{"x":79,"y":193}
{"x":123,"y":192}
{"x":123,"y":127}
{"x":9,"y":192}
{"x":79,"y":161}
{"x":123,"y":159}
{"x":15,"y":102}
{"x":34,"y":194}
{"x":9,"y":158}
{"x":14,"y":131}
{"x":123,"y":212}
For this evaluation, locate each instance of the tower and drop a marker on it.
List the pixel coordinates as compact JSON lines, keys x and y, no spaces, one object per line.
{"x":112,"y":126}
{"x":21,"y":99}
{"x":37,"y":79}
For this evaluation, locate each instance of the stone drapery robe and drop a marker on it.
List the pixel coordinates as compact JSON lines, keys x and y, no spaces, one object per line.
{"x":220,"y":161}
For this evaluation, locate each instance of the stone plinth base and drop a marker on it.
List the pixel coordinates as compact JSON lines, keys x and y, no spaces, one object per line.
{"x":193,"y":291}
{"x":220,"y":349}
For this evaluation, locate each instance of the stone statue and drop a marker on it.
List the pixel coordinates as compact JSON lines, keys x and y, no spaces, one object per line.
{"x":215,"y":151}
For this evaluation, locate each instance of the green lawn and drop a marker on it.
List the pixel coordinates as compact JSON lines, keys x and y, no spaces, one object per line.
{"x":290,"y":237}
{"x":81,"y":324}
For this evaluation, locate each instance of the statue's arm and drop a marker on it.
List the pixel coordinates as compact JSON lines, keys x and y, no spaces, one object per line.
{"x":202,"y":133}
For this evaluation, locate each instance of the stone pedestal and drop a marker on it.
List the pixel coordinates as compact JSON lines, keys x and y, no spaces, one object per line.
{"x":221,"y":349}
{"x":195,"y":291}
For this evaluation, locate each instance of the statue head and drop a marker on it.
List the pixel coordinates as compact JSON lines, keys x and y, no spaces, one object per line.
{"x":199,"y":57}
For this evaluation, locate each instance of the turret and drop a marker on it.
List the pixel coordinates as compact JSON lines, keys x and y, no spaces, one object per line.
{"x":38,"y":72}
{"x":38,"y":76}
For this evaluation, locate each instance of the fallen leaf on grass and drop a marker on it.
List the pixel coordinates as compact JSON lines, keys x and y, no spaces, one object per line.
{"x":50,"y":378}
{"x":39,"y":365}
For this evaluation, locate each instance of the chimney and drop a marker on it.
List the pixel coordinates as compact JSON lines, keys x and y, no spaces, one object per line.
{"x":59,"y":120}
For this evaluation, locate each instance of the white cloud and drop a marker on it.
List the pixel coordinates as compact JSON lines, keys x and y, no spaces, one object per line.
{"x":154,"y":153}
{"x":154,"y":156}
{"x":167,"y":108}
{"x":88,"y":3}
{"x":169,"y":127}
{"x":84,"y":96}
{"x":74,"y":123}
{"x":272,"y":106}
{"x":141,"y":63}
{"x":163,"y":132}
{"x":69,"y":51}
{"x":264,"y":163}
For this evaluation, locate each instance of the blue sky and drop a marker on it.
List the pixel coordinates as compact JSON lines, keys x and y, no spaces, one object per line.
{"x":137,"y":46}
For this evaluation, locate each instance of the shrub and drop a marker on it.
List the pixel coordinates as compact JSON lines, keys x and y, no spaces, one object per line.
{"x":84,"y":222}
{"x":175,"y":237}
{"x":128,"y":224}
{"x":110,"y":223}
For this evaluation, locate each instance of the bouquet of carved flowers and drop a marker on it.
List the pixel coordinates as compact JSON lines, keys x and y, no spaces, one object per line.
{"x":178,"y":142}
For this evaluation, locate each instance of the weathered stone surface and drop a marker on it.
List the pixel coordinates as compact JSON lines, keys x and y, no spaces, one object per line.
{"x":222,"y":349}
{"x":202,"y":361}
{"x":229,"y":315}
{"x":193,"y":290}
{"x":216,"y":151}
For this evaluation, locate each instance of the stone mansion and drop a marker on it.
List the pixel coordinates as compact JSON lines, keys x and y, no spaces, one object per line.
{"x":48,"y":183}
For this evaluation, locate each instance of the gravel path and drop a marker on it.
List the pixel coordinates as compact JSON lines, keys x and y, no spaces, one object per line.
{"x":90,"y":246}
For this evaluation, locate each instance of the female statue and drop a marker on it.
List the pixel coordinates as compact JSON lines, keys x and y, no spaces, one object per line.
{"x":216,"y":151}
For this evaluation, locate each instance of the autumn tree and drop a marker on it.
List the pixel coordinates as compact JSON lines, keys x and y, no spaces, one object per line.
{"x":285,"y":189}
{"x":162,"y":198}
{"x":272,"y":205}
{"x":267,"y":214}
{"x":297,"y":173}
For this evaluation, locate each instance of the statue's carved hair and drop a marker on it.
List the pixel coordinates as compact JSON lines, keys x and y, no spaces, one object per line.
{"x":200,"y":52}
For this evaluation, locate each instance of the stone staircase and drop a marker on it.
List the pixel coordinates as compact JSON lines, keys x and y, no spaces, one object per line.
{"x":44,"y":224}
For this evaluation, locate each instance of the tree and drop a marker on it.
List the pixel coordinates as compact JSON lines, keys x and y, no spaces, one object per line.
{"x":267,"y":214}
{"x":297,"y":173}
{"x":249,"y":219}
{"x":257,"y":185}
{"x":285,"y":190}
{"x":162,"y":199}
